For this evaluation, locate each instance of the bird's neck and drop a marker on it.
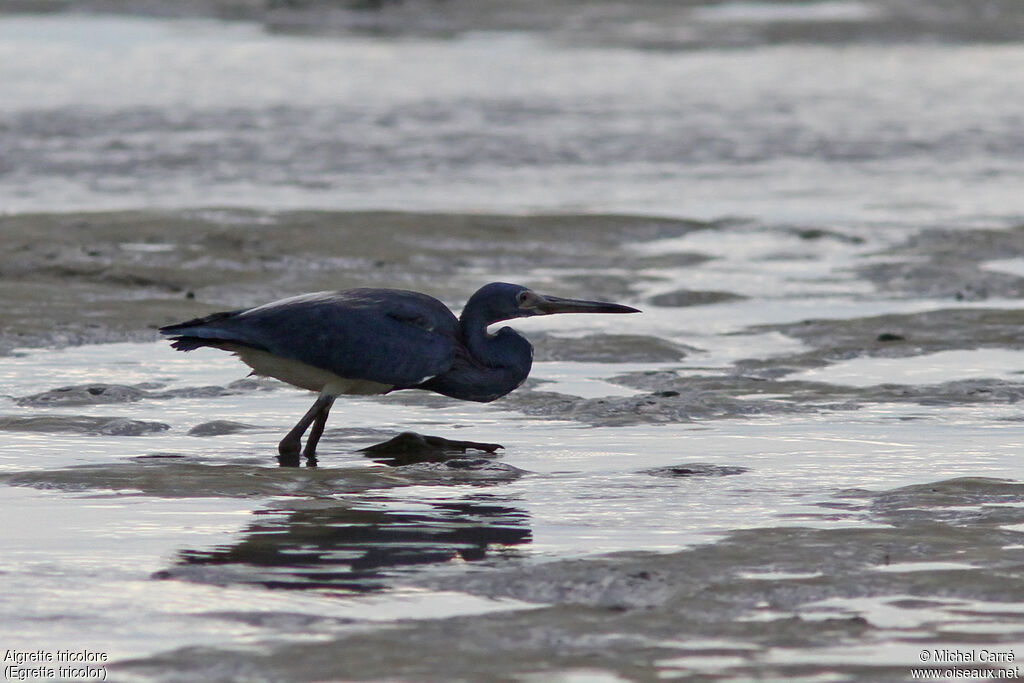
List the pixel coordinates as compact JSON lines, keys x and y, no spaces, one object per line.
{"x":505,"y":357}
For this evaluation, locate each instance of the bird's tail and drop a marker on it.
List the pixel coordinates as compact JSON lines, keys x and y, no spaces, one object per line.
{"x":188,"y":343}
{"x":182,"y":328}
{"x":196,"y":333}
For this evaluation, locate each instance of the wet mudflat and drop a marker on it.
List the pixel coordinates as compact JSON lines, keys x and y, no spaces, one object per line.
{"x":801,"y":462}
{"x":719,"y":494}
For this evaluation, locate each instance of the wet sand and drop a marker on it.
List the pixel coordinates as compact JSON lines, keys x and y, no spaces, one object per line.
{"x":803,"y":593}
{"x":112,"y":277}
{"x":105,"y":277}
{"x":886,"y":569}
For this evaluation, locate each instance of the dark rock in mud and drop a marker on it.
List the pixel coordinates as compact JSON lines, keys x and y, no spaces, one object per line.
{"x":688,"y":297}
{"x":82,"y":424}
{"x":409,"y":447}
{"x":608,"y":348}
{"x":84,"y":394}
{"x":219,"y":428}
{"x":411,"y":442}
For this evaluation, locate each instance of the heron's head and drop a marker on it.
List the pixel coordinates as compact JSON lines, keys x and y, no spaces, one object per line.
{"x":503,"y":301}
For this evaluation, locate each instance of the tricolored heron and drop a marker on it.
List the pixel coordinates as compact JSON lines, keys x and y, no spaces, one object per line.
{"x":373,"y":341}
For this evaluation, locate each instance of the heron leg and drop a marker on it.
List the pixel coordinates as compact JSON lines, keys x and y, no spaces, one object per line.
{"x":291,"y":444}
{"x":318,"y":429}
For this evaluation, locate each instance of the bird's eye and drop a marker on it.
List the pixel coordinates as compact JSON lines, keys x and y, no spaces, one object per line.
{"x":523,"y":297}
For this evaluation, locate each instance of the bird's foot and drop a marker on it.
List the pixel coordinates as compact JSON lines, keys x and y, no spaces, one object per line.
{"x":289,"y":447}
{"x":288,"y":460}
{"x":290,"y":453}
{"x":410,"y":447}
{"x":294,"y":460}
{"x":310,"y":455}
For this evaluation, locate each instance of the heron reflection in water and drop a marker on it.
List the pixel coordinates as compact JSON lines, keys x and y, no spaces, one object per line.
{"x":358,"y":547}
{"x":374,"y":341}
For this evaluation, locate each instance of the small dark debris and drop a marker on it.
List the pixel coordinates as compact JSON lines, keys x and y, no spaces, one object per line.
{"x":890,"y":337}
{"x":811,"y":234}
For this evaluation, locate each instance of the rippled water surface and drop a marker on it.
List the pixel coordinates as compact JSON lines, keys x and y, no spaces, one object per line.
{"x":115,"y":112}
{"x":801,"y":462}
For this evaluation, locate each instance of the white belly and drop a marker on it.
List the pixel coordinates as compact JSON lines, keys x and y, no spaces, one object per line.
{"x":305,"y":376}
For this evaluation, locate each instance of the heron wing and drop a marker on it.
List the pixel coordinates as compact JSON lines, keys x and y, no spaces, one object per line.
{"x":389,"y":336}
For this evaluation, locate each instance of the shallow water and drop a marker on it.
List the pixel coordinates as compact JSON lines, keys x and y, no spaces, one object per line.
{"x":801,"y":462}
{"x":136,"y":112}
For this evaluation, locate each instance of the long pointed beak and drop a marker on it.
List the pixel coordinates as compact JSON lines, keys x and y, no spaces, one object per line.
{"x":556,"y":304}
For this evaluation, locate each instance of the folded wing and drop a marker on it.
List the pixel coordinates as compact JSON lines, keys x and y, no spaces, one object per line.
{"x":388,"y":336}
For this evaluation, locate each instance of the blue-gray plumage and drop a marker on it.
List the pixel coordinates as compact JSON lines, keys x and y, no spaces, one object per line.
{"x":372,"y":341}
